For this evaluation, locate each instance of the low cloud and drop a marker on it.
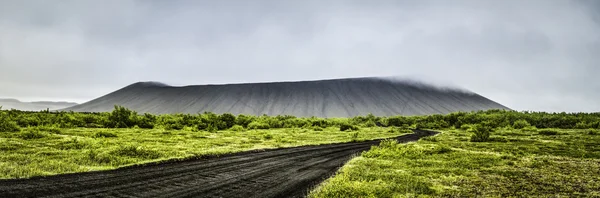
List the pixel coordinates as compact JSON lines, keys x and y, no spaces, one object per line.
{"x":528,"y":55}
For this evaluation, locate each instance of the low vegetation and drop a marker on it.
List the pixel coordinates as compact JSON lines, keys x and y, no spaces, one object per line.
{"x":486,"y":153}
{"x":120,"y":117}
{"x":36,"y":151}
{"x":508,"y":163}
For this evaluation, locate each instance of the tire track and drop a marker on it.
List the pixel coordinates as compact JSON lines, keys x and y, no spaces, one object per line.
{"x":285,"y":172}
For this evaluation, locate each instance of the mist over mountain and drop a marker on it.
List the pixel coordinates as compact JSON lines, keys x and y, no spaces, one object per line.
{"x":9,"y":103}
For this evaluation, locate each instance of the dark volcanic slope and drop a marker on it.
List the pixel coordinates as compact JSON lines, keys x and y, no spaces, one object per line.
{"x":325,"y":98}
{"x":289,"y":172}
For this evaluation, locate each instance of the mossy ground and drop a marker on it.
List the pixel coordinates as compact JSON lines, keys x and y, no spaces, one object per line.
{"x":38,"y":151}
{"x":515,"y":163}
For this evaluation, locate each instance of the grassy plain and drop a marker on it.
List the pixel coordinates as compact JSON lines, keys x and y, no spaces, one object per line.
{"x":515,"y":163}
{"x":37,"y":151}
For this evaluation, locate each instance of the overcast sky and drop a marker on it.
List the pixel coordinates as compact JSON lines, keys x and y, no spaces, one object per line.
{"x":541,"y":55}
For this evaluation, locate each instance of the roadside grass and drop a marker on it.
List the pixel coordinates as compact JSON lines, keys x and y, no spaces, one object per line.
{"x":38,"y":151}
{"x":515,"y":163}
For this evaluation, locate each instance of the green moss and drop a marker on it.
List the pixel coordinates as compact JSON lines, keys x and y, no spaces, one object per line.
{"x":35,"y":152}
{"x":521,"y":166}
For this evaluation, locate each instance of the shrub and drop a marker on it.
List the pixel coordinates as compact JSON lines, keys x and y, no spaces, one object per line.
{"x":592,"y":132}
{"x":173,"y":126}
{"x":237,"y":128}
{"x":530,"y":129}
{"x":316,"y":128}
{"x":228,"y":119}
{"x":171,"y":122}
{"x":244,"y":120}
{"x":582,"y":125}
{"x":212,"y":128}
{"x":548,"y":132}
{"x":26,"y":135}
{"x":121,"y":117}
{"x":348,"y":127}
{"x":370,"y":123}
{"x":104,"y":134}
{"x":8,"y":126}
{"x":50,"y":129}
{"x":319,"y":122}
{"x":519,"y":124}
{"x":465,"y":127}
{"x":481,"y":133}
{"x":146,"y":121}
{"x":258,"y":125}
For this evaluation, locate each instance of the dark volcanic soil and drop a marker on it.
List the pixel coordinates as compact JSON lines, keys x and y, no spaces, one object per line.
{"x":287,"y":172}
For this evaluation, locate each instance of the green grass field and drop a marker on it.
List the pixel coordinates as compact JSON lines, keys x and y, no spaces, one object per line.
{"x":37,"y":151}
{"x":515,"y":163}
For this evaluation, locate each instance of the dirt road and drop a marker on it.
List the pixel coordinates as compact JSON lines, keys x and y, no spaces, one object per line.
{"x":287,"y":172}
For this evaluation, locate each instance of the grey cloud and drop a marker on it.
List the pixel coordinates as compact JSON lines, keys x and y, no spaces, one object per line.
{"x":528,"y":55}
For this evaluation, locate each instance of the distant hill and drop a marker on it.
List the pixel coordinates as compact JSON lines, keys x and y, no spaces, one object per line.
{"x":8,"y":103}
{"x":321,"y":98}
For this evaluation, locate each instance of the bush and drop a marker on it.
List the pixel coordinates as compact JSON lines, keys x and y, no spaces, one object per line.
{"x":258,"y":125}
{"x":370,"y":123}
{"x":104,"y":134}
{"x":8,"y":126}
{"x":244,"y":120}
{"x":228,"y":120}
{"x":319,"y":122}
{"x":519,"y":124}
{"x":592,"y":132}
{"x":348,"y":127}
{"x":530,"y":129}
{"x":173,"y":126}
{"x":548,"y":132}
{"x":212,"y":128}
{"x":49,"y":129}
{"x":465,"y":127}
{"x":481,"y":133}
{"x":172,"y":122}
{"x":237,"y":128}
{"x":121,"y":117}
{"x":582,"y":125}
{"x":146,"y":121}
{"x":33,"y":135}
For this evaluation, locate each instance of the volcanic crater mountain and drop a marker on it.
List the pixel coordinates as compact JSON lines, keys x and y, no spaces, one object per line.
{"x":322,"y":98}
